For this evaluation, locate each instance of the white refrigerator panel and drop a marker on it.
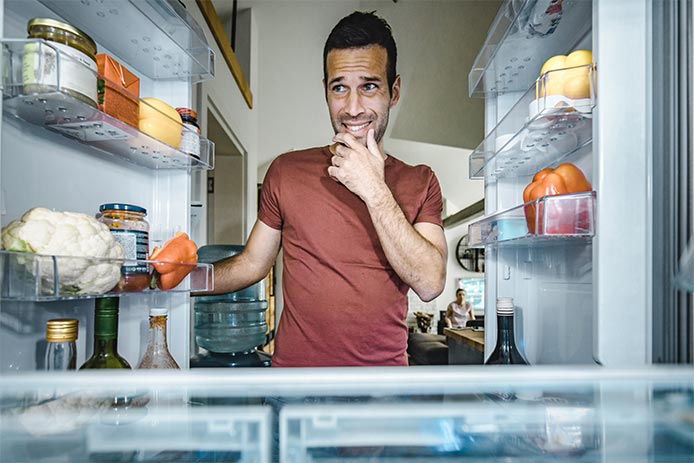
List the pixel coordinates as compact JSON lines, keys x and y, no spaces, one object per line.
{"x":42,"y":168}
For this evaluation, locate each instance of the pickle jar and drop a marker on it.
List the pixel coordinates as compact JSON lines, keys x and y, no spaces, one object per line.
{"x":76,"y":52}
{"x":129,"y":227}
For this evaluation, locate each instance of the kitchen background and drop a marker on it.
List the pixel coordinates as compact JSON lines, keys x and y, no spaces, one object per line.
{"x":279,"y":45}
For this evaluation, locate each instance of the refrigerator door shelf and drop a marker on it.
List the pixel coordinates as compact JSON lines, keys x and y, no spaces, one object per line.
{"x":544,"y":221}
{"x":33,"y":277}
{"x":48,"y":103}
{"x":523,"y":35}
{"x":552,"y":126}
{"x":158,"y":38}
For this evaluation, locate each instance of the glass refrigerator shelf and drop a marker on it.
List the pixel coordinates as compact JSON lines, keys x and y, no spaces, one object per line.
{"x":552,"y":126}
{"x":38,"y":278}
{"x":545,"y":221}
{"x":53,"y":107}
{"x":523,"y":35}
{"x":158,"y":38}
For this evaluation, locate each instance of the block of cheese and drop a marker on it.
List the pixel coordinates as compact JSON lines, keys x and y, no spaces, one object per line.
{"x":161,"y":121}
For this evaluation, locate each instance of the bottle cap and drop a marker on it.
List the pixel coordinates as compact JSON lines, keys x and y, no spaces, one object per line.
{"x":504,"y":306}
{"x":158,"y":311}
{"x":61,"y":330}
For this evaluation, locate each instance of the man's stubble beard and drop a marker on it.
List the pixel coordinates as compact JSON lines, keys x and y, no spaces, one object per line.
{"x":380,"y":130}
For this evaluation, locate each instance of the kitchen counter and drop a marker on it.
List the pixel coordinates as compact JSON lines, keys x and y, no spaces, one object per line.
{"x":465,"y":346}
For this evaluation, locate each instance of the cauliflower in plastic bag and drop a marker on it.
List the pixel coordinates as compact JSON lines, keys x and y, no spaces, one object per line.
{"x":80,"y":236}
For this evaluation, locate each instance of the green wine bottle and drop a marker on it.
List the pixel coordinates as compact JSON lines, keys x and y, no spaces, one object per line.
{"x":105,"y":336}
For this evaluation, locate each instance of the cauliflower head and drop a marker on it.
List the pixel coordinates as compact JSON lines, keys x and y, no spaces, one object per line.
{"x":73,"y":234}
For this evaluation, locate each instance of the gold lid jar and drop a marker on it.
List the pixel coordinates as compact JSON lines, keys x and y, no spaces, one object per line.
{"x":61,"y":330}
{"x":58,"y":31}
{"x":77,"y":73}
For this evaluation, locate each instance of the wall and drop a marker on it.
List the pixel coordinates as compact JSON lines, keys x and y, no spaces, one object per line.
{"x":437,"y":44}
{"x":291,"y":105}
{"x":228,"y":223}
{"x":434,"y":108}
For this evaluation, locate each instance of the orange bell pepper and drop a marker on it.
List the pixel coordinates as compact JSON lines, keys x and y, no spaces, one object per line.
{"x":564,"y":179}
{"x":178,"y":250}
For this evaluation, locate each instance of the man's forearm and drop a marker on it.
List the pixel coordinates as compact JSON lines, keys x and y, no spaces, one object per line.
{"x":416,"y":260}
{"x":235,"y":273}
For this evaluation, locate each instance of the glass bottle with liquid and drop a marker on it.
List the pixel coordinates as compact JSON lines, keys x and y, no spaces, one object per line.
{"x":61,"y":352}
{"x":505,"y":352}
{"x":157,"y":354}
{"x":105,"y":336}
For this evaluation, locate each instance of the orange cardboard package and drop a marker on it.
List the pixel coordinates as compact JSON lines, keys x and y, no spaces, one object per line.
{"x":119,"y":90}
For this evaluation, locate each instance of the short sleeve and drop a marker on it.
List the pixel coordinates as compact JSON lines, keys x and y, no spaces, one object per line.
{"x":432,"y":207}
{"x":270,"y":212}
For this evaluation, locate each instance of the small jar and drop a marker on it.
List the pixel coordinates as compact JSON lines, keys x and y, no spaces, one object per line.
{"x":78,"y":69}
{"x":129,"y":227}
{"x":61,"y":353}
{"x":190,"y":143}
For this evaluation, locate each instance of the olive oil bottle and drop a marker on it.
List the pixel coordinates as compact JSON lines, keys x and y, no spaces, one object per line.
{"x":105,"y":336}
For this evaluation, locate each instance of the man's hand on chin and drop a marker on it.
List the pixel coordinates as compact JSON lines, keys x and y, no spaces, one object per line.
{"x":360,"y":168}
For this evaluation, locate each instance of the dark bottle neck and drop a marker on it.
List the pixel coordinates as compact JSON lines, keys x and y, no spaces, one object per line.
{"x":504,"y":330}
{"x":106,"y":325}
{"x":105,"y":345}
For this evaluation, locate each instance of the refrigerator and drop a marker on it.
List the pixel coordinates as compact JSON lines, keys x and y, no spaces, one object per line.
{"x":61,"y":153}
{"x":591,"y":271}
{"x":584,"y":296}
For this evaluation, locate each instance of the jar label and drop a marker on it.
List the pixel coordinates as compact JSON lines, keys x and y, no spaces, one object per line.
{"x":136,"y":246}
{"x":190,"y":142}
{"x":77,"y":70}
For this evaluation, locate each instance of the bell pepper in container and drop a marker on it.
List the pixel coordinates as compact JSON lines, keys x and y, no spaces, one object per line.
{"x":556,"y":217}
{"x":169,"y":271}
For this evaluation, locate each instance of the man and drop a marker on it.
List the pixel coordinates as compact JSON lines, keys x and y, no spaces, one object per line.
{"x":358,"y":227}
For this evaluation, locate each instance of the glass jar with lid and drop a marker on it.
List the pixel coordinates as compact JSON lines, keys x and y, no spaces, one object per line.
{"x":129,"y":227}
{"x":76,"y":73}
{"x":190,"y":141}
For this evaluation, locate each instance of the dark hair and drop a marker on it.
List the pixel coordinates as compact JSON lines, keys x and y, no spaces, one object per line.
{"x":358,"y":30}
{"x":460,"y":289}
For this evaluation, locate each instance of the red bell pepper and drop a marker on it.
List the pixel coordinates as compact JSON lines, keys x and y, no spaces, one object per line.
{"x":178,"y":250}
{"x":555,"y":217}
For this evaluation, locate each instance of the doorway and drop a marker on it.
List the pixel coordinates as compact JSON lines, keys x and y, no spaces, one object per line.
{"x":226,"y":191}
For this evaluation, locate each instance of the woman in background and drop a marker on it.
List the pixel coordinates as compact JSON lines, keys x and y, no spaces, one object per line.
{"x":459,"y":311}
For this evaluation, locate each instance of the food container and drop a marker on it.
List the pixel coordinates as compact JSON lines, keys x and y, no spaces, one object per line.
{"x":118,"y":90}
{"x":77,"y":65}
{"x":128,"y":225}
{"x":190,"y":142}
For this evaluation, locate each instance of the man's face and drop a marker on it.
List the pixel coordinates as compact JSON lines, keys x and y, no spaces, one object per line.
{"x":357,"y":91}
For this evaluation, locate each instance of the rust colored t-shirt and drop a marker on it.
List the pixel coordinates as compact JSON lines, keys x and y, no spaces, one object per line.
{"x":343,"y":303}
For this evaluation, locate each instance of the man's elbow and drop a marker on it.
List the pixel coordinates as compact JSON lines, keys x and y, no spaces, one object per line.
{"x":432,"y":290}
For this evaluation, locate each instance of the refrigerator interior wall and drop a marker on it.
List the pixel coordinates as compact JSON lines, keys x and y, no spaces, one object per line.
{"x":551,"y":283}
{"x":42,"y":168}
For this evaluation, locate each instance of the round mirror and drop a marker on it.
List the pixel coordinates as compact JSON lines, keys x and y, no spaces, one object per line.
{"x":471,"y":259}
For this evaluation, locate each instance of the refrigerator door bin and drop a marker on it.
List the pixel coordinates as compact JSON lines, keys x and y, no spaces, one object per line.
{"x":542,"y":221}
{"x":523,"y":35}
{"x":52,"y":107}
{"x":157,"y":37}
{"x":552,"y":126}
{"x":34,"y":277}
